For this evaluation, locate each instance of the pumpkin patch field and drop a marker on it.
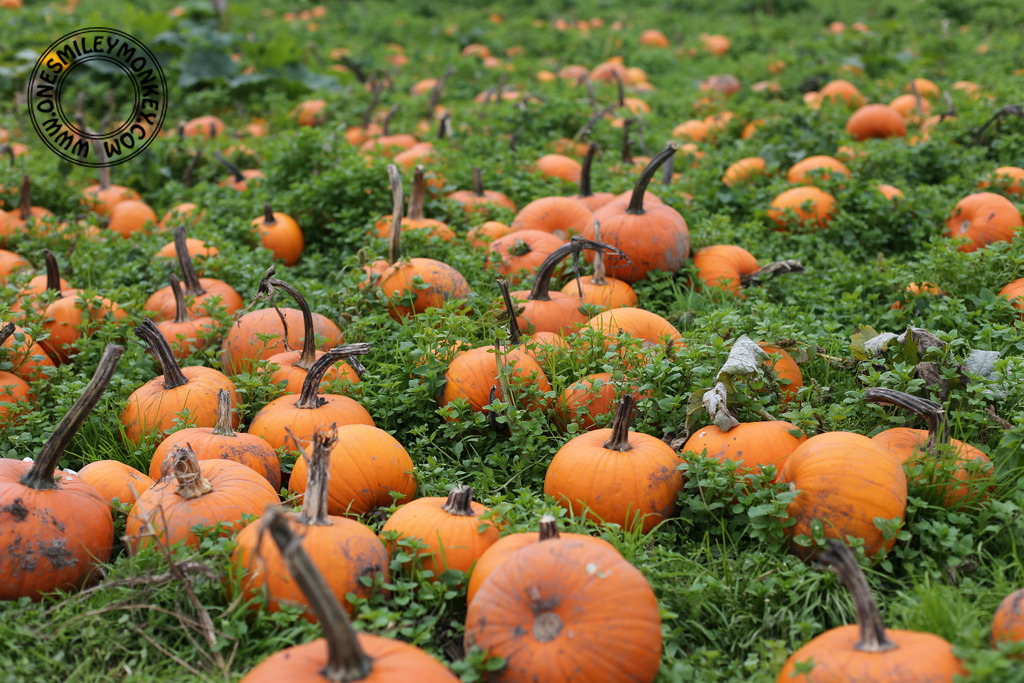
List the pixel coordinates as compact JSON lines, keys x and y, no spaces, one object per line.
{"x":536,"y":341}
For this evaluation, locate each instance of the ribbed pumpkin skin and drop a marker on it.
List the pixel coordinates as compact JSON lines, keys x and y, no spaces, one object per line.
{"x":658,"y":239}
{"x":472,"y":373}
{"x":271,"y":421}
{"x":743,"y":170}
{"x":294,"y":376}
{"x":1008,"y":621}
{"x":246,"y":449}
{"x":151,"y":408}
{"x":453,"y":541}
{"x":49,"y":539}
{"x":506,"y":546}
{"x":820,"y":207}
{"x":27,"y":359}
{"x":637,"y":323}
{"x":615,"y":486}
{"x":502,"y":253}
{"x":876,"y":121}
{"x":906,"y":444}
{"x":237,"y":491}
{"x":393,"y":662}
{"x":560,"y":314}
{"x":845,"y":480}
{"x":722,"y":265}
{"x":610,"y":624}
{"x":367,"y":464}
{"x":562,"y":217}
{"x":787,"y":369}
{"x":241,"y":346}
{"x":754,"y":444}
{"x":114,"y":479}
{"x":984,"y":218}
{"x":445,"y":283}
{"x":918,"y":657}
{"x":344,"y":552}
{"x":614,"y":294}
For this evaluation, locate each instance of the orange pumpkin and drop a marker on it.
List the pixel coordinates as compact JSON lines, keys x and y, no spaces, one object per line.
{"x":568,"y":609}
{"x":65,"y":518}
{"x":343,"y":549}
{"x":560,"y":166}
{"x":1008,"y":621}
{"x":844,"y":481}
{"x":841,"y":89}
{"x":184,"y":332}
{"x":725,"y":266}
{"x":599,"y":289}
{"x":453,"y":529}
{"x":480,"y":200}
{"x":1008,"y":179}
{"x":809,"y":205}
{"x":206,"y":293}
{"x":281,"y":235}
{"x":810,"y":170}
{"x":1015,"y":293}
{"x":27,"y":358}
{"x":983,"y":218}
{"x":115,"y":480}
{"x":752,"y":445}
{"x":867,"y":651}
{"x":520,"y":253}
{"x":876,"y":121}
{"x":743,"y":170}
{"x":615,"y":476}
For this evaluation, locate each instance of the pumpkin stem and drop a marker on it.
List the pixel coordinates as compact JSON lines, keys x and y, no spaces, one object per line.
{"x":627,"y":151}
{"x":619,"y":440}
{"x":25,"y":201}
{"x":346,"y":660}
{"x":9,"y":151}
{"x":223,"y":426}
{"x":931,"y":412}
{"x":180,"y":305}
{"x":268,"y":284}
{"x":189,"y":276}
{"x":548,"y":528}
{"x":232,"y":169}
{"x":514,"y":331}
{"x":771,"y":270}
{"x":378,"y":88}
{"x":542,"y":285}
{"x":588,"y":161}
{"x":268,"y":215}
{"x":6,"y":332}
{"x":385,"y":125}
{"x":520,"y":247}
{"x":667,"y":171}
{"x":872,"y":631}
{"x":599,"y":277}
{"x":182,"y":462}
{"x":459,"y":502}
{"x":636,"y":202}
{"x":104,"y":169}
{"x":618,"y":83}
{"x":41,"y":475}
{"x":309,"y":396}
{"x":478,"y":182}
{"x":314,"y":501}
{"x":52,"y":272}
{"x":418,"y":196}
{"x":156,"y":343}
{"x":395,"y":247}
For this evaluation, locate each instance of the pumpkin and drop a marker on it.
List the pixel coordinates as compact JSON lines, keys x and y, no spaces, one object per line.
{"x":104,"y":196}
{"x":752,"y":445}
{"x":367,"y":466}
{"x":478,"y":199}
{"x":195,"y":493}
{"x":536,"y":345}
{"x":453,"y":530}
{"x":221,"y":441}
{"x":115,"y":480}
{"x":841,"y":89}
{"x":207,"y":126}
{"x":157,"y":405}
{"x":281,"y":235}
{"x":725,"y":267}
{"x":1014,"y":291}
{"x":292,"y":367}
{"x":867,"y":651}
{"x":506,"y":546}
{"x":27,"y":358}
{"x":10,"y":263}
{"x":310,"y":410}
{"x":480,"y":237}
{"x":1008,"y":620}
{"x":952,"y":473}
{"x":444,"y":283}
{"x":584,"y":400}
{"x":653,"y":236}
{"x":813,"y":169}
{"x":802,"y":206}
{"x":309,"y":112}
{"x":562,"y":217}
{"x":743,"y":170}
{"x":876,"y":121}
{"x":13,"y":389}
{"x":18,"y":220}
{"x":182,"y":214}
{"x":343,"y":655}
{"x":983,"y":218}
{"x":54,"y":530}
{"x":636,"y":323}
{"x":890,"y":192}
{"x":843,"y":482}
{"x":343,"y":549}
{"x":911,"y":108}
{"x":559,"y":166}
{"x":415,"y":219}
{"x":184,"y":333}
{"x":521,"y":252}
{"x":1007,"y":179}
{"x":567,"y":609}
{"x":205,"y":292}
{"x":615,"y":476}
{"x":547,"y":311}
{"x":131,"y":216}
{"x":591,"y":200}
{"x":70,"y":316}
{"x":786,"y":369}
{"x":599,"y":289}
{"x":652,"y":37}
{"x":238,"y":180}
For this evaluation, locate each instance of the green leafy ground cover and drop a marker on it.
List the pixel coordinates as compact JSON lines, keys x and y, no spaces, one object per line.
{"x":734,"y":601}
